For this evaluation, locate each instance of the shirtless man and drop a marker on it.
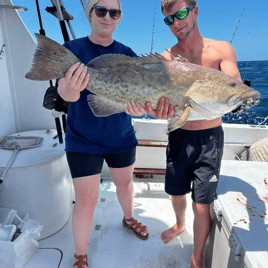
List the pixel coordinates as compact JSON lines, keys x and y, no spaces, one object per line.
{"x":201,"y":165}
{"x":194,"y":151}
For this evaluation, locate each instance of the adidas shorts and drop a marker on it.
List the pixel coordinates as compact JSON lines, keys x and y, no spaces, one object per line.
{"x":193,"y":163}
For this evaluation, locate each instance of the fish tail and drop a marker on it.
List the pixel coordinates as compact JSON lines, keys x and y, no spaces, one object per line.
{"x":51,"y":60}
{"x":174,"y":123}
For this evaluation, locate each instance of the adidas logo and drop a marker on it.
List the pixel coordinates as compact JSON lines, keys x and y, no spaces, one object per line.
{"x":213,"y":179}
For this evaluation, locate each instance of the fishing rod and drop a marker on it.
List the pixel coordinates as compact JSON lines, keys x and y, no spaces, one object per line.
{"x":52,"y":100}
{"x":246,"y":81}
{"x":152,"y":43}
{"x":237,"y":26}
{"x":41,"y":30}
{"x":83,"y":3}
{"x":152,"y":46}
{"x":62,"y":15}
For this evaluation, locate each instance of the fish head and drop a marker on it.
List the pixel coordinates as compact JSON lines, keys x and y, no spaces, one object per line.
{"x":219,"y":93}
{"x":238,"y":96}
{"x":244,"y":99}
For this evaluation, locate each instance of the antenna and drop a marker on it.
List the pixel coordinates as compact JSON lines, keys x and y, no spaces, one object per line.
{"x":237,"y":25}
{"x":152,"y":43}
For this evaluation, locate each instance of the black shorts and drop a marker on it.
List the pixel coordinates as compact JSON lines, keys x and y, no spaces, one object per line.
{"x":193,"y":163}
{"x":84,"y":164}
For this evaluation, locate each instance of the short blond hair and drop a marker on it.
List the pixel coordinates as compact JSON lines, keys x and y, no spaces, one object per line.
{"x":166,"y":5}
{"x":92,"y":3}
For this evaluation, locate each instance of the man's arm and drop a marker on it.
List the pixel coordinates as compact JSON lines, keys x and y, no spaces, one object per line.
{"x":228,"y":64}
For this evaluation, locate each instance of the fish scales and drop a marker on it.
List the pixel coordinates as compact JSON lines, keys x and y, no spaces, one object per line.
{"x":134,"y":83}
{"x":199,"y":93}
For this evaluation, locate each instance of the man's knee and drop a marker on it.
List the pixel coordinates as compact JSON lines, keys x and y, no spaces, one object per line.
{"x":199,"y":208}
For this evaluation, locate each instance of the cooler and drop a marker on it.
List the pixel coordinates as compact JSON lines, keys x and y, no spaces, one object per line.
{"x":239,"y":236}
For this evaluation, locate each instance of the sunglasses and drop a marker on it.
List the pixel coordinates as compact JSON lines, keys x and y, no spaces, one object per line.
{"x":102,"y":11}
{"x":180,"y":15}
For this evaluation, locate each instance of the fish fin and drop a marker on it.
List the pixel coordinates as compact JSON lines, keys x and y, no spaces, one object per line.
{"x":178,"y":57}
{"x":177,"y":122}
{"x":110,"y":60}
{"x":102,"y":107}
{"x":51,"y":60}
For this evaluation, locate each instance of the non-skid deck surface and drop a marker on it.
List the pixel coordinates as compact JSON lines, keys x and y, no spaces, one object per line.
{"x":113,"y":246}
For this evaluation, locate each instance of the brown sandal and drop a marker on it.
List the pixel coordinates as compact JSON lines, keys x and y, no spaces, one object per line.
{"x":81,"y":261}
{"x":135,"y":225}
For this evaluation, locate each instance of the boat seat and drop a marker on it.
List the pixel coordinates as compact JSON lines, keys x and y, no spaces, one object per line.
{"x":150,"y":172}
{"x":140,"y":172}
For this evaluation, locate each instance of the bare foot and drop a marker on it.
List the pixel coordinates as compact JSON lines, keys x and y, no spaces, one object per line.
{"x":172,"y":232}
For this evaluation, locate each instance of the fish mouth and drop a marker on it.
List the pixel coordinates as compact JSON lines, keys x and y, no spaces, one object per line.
{"x":246,"y":105}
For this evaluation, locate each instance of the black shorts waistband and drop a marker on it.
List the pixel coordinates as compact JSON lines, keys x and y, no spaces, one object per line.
{"x":207,"y":131}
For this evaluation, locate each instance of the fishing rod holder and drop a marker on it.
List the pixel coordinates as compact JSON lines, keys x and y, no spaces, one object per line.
{"x":53,"y":11}
{"x":59,"y":11}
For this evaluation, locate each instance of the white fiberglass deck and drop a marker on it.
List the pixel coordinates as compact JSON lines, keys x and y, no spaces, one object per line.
{"x":112,"y":246}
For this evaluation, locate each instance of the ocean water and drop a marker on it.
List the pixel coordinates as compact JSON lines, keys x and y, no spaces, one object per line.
{"x":257,"y":73}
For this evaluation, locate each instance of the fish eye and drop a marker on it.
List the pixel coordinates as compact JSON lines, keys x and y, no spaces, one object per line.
{"x":233,"y":84}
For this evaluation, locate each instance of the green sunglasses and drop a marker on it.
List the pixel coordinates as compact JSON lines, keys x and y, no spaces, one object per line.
{"x":180,"y":15}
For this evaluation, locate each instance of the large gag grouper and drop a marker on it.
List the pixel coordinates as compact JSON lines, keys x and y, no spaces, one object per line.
{"x":201,"y":93}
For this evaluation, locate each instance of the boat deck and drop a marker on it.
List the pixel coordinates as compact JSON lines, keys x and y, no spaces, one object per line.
{"x":243,"y":185}
{"x":113,"y":246}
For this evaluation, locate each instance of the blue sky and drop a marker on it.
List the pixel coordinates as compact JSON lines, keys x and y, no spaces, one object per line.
{"x":217,"y":20}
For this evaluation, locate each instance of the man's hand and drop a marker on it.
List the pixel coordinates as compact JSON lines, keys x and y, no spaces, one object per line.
{"x":135,"y":109}
{"x":163,"y":110}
